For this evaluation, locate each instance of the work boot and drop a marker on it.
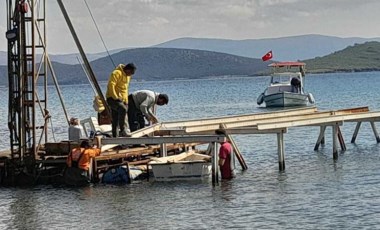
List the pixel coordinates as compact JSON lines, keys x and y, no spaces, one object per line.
{"x":124,"y":134}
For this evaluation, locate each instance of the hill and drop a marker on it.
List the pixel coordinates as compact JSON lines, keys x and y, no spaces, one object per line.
{"x":284,"y":49}
{"x":161,"y":64}
{"x":359,"y":57}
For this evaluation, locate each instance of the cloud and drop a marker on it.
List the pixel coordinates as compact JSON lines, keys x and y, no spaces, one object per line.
{"x":136,"y":23}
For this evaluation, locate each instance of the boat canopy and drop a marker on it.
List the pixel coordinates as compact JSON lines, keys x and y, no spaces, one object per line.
{"x":288,"y":63}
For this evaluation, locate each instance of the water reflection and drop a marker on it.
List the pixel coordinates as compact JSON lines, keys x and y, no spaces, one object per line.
{"x":24,"y":210}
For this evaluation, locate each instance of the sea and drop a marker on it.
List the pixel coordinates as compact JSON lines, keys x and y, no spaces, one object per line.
{"x":314,"y":192}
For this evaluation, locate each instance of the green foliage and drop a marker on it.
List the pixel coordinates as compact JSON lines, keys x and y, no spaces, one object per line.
{"x":356,"y":58}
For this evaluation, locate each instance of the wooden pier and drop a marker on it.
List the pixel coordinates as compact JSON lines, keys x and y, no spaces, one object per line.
{"x":177,"y":136}
{"x":259,"y":123}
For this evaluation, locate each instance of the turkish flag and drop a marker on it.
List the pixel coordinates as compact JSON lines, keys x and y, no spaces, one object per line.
{"x":267,"y":56}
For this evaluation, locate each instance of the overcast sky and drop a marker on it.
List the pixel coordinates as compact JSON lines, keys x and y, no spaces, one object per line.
{"x":141,"y":23}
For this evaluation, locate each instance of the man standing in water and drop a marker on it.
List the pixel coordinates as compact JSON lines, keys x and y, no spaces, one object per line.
{"x":117,"y":98}
{"x":225,"y":158}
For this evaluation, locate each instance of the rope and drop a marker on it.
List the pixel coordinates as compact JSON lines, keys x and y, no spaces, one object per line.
{"x":104,"y":44}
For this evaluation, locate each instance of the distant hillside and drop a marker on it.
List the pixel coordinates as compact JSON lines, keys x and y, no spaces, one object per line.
{"x":161,"y":64}
{"x":284,"y":49}
{"x":359,"y":57}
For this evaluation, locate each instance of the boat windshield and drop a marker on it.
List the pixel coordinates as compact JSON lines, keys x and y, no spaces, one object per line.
{"x":284,"y":77}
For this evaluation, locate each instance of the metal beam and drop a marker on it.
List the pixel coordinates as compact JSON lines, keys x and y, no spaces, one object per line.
{"x":161,"y":140}
{"x":242,"y":130}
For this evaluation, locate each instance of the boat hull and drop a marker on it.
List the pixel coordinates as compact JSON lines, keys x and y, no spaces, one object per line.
{"x":286,"y":99}
{"x":181,"y":171}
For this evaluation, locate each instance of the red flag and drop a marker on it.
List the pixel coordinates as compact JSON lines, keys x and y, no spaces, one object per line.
{"x":267,"y":56}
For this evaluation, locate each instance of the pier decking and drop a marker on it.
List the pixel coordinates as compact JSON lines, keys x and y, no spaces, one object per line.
{"x":276,"y":122}
{"x":178,"y":136}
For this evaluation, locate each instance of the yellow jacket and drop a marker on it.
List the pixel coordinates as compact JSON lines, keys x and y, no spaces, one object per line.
{"x":118,"y":84}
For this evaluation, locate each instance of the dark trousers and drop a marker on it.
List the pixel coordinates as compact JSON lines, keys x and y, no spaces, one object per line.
{"x":119,"y":116}
{"x":135,"y":116}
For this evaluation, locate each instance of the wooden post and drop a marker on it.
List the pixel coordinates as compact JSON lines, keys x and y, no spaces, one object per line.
{"x":215,"y":168}
{"x":356,"y":132}
{"x":320,"y":137}
{"x":375,"y":131}
{"x":335,"y":142}
{"x":280,"y":148}
{"x":341,"y":139}
{"x":91,"y":170}
{"x":236,"y":149}
{"x":163,"y":150}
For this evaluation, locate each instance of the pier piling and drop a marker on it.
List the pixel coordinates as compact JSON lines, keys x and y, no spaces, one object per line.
{"x":281,"y":153}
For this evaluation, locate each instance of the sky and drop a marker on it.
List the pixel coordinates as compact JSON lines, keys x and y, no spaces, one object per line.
{"x":143,"y":23}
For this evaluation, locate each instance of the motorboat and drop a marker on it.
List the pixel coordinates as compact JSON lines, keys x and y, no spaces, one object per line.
{"x":183,"y":166}
{"x":286,"y":86}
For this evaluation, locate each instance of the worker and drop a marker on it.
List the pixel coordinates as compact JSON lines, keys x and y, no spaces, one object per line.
{"x":117,"y":98}
{"x":225,"y":155}
{"x":141,"y":104}
{"x":75,"y":130}
{"x":80,"y":157}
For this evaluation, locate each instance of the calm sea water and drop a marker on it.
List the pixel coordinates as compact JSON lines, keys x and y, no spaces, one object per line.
{"x":314,"y":192}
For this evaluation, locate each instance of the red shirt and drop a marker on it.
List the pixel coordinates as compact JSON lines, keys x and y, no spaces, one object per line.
{"x":225,"y":153}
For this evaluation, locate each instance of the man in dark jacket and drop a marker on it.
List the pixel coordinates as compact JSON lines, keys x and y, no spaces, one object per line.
{"x":141,"y":104}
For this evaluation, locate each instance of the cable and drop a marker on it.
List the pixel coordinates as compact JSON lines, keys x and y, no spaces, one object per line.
{"x":104,"y":44}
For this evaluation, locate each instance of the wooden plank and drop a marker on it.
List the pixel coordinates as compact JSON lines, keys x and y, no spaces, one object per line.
{"x":235,"y":118}
{"x":353,"y":110}
{"x":320,"y":121}
{"x":124,"y":153}
{"x":146,"y":131}
{"x":267,"y":119}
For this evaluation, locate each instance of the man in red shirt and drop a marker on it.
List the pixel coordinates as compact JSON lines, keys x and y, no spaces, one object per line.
{"x":225,"y":160}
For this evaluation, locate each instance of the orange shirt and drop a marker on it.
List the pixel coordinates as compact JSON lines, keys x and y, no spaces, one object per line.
{"x":84,"y":162}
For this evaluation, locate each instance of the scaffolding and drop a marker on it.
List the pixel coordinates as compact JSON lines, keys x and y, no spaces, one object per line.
{"x":26,"y":34}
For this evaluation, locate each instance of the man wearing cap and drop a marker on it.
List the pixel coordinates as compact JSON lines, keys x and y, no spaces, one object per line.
{"x":117,"y":97}
{"x":141,"y":104}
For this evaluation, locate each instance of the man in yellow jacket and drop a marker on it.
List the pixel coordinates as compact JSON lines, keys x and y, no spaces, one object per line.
{"x":117,"y":98}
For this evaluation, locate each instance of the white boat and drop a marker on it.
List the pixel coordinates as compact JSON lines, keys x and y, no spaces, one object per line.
{"x":286,"y":87}
{"x":184,"y":166}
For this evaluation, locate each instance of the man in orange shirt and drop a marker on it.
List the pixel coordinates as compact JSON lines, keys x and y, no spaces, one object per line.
{"x":80,"y":157}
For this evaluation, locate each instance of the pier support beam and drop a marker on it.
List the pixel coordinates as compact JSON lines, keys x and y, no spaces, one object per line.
{"x":341,"y":139}
{"x":163,"y":150}
{"x":353,"y":139}
{"x":335,"y":141}
{"x":237,"y":152}
{"x":375,"y":131}
{"x":321,"y":137}
{"x":281,"y":151}
{"x":215,"y":168}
